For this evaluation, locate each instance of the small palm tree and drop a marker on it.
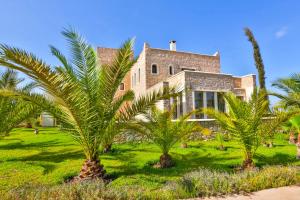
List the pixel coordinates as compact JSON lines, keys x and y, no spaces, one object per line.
{"x":14,"y":111}
{"x":81,"y":93}
{"x":295,"y":121}
{"x":291,"y":88}
{"x":291,"y":126}
{"x":245,"y":121}
{"x":220,"y":140}
{"x":159,"y":127}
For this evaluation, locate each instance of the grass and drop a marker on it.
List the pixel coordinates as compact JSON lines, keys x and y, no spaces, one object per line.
{"x":51,"y":157}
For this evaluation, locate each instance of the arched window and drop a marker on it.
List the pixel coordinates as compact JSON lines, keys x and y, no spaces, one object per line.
{"x":171,"y":71}
{"x":154,"y":69}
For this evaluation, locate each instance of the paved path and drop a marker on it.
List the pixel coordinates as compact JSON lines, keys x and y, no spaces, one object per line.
{"x":283,"y":193}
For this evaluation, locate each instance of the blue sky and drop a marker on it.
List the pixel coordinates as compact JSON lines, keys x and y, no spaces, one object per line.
{"x":197,"y":26}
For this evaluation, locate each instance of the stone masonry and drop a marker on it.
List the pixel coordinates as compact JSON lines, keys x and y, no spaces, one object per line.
{"x":196,"y":72}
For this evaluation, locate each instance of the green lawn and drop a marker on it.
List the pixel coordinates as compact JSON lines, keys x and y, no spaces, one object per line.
{"x":52,"y":156}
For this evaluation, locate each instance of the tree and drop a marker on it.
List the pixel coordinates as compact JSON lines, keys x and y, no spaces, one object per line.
{"x":159,"y":127}
{"x":295,"y":121}
{"x":81,"y":93}
{"x":290,"y":87}
{"x":246,"y":122}
{"x":257,"y":58}
{"x":220,"y":140}
{"x":14,"y":111}
{"x":290,"y":98}
{"x":292,"y":126}
{"x":258,"y":62}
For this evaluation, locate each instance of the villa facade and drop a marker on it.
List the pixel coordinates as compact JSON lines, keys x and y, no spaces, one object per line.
{"x":197,"y":77}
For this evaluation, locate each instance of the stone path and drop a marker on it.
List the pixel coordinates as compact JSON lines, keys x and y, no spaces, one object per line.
{"x":282,"y":193}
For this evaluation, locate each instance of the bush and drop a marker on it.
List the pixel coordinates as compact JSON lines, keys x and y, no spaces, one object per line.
{"x":205,"y":182}
{"x":200,"y":183}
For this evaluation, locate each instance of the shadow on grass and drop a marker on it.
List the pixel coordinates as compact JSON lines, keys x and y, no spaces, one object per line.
{"x":47,"y":167}
{"x":20,"y":145}
{"x":277,"y":159}
{"x":56,"y":157}
{"x":184,"y":164}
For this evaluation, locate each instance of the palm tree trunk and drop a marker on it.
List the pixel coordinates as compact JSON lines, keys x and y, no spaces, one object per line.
{"x":221,"y":147}
{"x":91,"y":169}
{"x":28,"y":125}
{"x":270,"y":144}
{"x":107,"y":148}
{"x":292,"y":138}
{"x":298,"y":150}
{"x":248,"y":162}
{"x":165,"y":161}
{"x":184,"y":145}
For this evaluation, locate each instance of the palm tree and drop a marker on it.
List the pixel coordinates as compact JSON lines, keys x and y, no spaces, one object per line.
{"x":14,"y":111}
{"x":245,"y":121}
{"x":294,"y":125}
{"x":81,"y":93}
{"x":258,"y":61}
{"x":291,"y":126}
{"x":291,"y":91}
{"x":290,"y":98}
{"x":257,"y":58}
{"x":159,"y":127}
{"x":114,"y":129}
{"x":220,"y":140}
{"x":295,"y":121}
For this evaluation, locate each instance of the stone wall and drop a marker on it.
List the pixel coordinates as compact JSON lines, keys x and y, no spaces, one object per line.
{"x":237,"y":82}
{"x":106,"y":56}
{"x":248,"y":82}
{"x":178,"y":60}
{"x":199,"y":81}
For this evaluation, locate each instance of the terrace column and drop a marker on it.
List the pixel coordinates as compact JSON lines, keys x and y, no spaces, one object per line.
{"x":184,"y":101}
{"x":216,"y":100}
{"x":204,"y":103}
{"x":178,"y":107}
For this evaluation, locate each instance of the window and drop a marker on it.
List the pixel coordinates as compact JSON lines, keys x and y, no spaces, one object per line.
{"x":139,"y":75}
{"x":198,"y":96}
{"x":134,"y":78}
{"x":122,"y":86}
{"x":210,"y":99}
{"x":154,"y":69}
{"x":171,"y":72}
{"x":221,"y":102}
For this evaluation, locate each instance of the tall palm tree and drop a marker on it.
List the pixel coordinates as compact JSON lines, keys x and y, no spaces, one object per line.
{"x":247,"y":123}
{"x":258,"y":62}
{"x":14,"y":111}
{"x":81,"y":93}
{"x":257,"y":58}
{"x":159,"y":127}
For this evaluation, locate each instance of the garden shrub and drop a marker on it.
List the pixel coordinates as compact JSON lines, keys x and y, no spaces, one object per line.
{"x":199,"y":183}
{"x":205,"y":182}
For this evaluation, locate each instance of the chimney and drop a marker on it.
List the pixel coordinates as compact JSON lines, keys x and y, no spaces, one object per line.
{"x":173,"y":45}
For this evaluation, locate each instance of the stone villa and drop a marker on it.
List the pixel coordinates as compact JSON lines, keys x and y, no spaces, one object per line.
{"x":200,"y":74}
